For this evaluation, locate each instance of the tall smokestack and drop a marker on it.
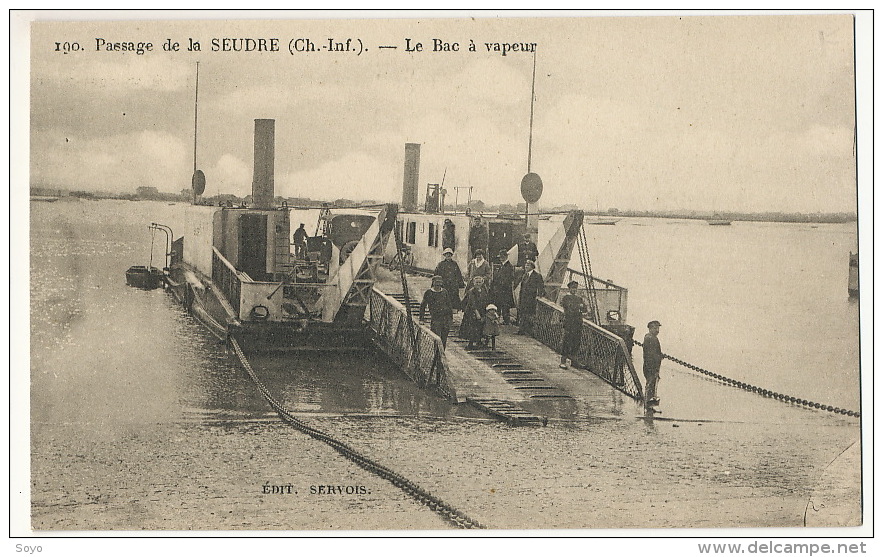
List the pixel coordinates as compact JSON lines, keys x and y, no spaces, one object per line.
{"x":262,"y":187}
{"x":412,"y":173}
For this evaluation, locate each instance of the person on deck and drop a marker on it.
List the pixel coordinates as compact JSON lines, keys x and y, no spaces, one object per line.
{"x":652,"y":361}
{"x":574,"y":308}
{"x":527,"y":251}
{"x":452,"y":277}
{"x":491,"y":326}
{"x":501,"y":287}
{"x":300,"y":242}
{"x":479,"y":267}
{"x":474,"y":307}
{"x":532,"y":286}
{"x":440,"y":310}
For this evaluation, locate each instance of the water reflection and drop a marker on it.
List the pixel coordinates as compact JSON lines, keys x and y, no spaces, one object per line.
{"x":345,"y":383}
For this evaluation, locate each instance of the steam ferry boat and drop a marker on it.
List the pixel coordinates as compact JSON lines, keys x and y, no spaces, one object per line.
{"x":234,"y":268}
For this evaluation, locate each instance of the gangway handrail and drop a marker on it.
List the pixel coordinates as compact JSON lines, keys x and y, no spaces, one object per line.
{"x":602,"y":352}
{"x":425,"y":365}
{"x":229,"y":265}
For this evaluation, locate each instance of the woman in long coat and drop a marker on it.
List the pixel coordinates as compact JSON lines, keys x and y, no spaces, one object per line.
{"x":480,"y":267}
{"x":474,"y":306}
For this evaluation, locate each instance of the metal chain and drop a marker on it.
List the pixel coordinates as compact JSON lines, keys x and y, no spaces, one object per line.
{"x":761,"y":391}
{"x":446,"y":511}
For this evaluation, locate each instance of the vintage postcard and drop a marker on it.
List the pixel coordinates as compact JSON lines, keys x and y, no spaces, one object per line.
{"x":422,"y":272}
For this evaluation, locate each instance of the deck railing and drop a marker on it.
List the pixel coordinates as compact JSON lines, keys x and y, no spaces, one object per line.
{"x":601,"y":352}
{"x":608,"y":295}
{"x":226,"y":277}
{"x":424,"y":360}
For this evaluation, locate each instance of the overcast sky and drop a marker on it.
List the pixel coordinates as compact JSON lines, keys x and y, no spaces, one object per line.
{"x":708,"y":113}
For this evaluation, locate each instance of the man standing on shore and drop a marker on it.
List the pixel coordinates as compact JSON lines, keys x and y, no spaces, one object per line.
{"x":652,"y":361}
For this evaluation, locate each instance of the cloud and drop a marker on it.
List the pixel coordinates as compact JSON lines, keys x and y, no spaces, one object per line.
{"x":706,"y":113}
{"x":229,"y":174}
{"x":117,"y":163}
{"x":353,"y":176}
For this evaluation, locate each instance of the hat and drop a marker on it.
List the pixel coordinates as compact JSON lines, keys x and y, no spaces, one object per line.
{"x":447,"y":251}
{"x":573,"y":284}
{"x":491,"y":307}
{"x":654,"y":322}
{"x":439,"y":277}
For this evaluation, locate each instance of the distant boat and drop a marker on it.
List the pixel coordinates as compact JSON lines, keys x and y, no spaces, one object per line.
{"x":46,"y":198}
{"x":716,"y":220}
{"x":599,"y":220}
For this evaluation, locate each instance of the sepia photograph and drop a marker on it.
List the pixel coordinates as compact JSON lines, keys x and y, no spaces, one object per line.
{"x":417,"y":273}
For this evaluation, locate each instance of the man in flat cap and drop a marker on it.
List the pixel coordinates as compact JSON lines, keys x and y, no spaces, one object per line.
{"x":652,"y":362}
{"x":452,"y":277}
{"x":440,"y":310}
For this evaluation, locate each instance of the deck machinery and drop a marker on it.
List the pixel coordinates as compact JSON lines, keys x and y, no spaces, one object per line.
{"x":234,"y":268}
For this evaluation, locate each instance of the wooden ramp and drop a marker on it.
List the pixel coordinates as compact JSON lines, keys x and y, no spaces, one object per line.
{"x":519,"y":381}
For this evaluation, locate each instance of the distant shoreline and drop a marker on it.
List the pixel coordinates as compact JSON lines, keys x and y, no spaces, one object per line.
{"x":813,"y":218}
{"x":770,"y":216}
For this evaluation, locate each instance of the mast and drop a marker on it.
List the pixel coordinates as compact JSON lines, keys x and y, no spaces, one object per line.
{"x":531,"y":184}
{"x":195,"y":117}
{"x":533,"y":81}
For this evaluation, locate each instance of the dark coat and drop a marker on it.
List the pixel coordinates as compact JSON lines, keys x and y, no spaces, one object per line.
{"x":439,"y":305}
{"x":502,"y":284}
{"x":532,"y":286}
{"x":574,"y":308}
{"x":527,"y":251}
{"x":652,"y":354}
{"x":476,"y":300}
{"x":452,"y":278}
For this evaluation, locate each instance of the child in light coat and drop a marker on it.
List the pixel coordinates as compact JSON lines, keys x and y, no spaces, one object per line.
{"x":491,"y":326}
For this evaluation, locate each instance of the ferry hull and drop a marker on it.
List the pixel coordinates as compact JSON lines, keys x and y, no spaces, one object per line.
{"x":204,"y":301}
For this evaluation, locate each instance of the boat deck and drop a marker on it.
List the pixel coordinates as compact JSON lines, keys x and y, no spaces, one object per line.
{"x":520,"y":372}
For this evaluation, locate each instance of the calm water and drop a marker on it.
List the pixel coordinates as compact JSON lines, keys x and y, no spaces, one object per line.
{"x":140,"y":419}
{"x":765,"y":303}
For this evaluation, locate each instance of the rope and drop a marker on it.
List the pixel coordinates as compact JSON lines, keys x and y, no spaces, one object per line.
{"x":586,"y":263}
{"x":446,"y":511}
{"x":759,"y":390}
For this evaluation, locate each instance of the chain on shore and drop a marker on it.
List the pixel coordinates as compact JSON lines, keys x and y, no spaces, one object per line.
{"x":761,"y":391}
{"x":446,"y":511}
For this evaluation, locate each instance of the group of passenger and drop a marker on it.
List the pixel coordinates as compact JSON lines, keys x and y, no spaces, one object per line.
{"x":489,"y":295}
